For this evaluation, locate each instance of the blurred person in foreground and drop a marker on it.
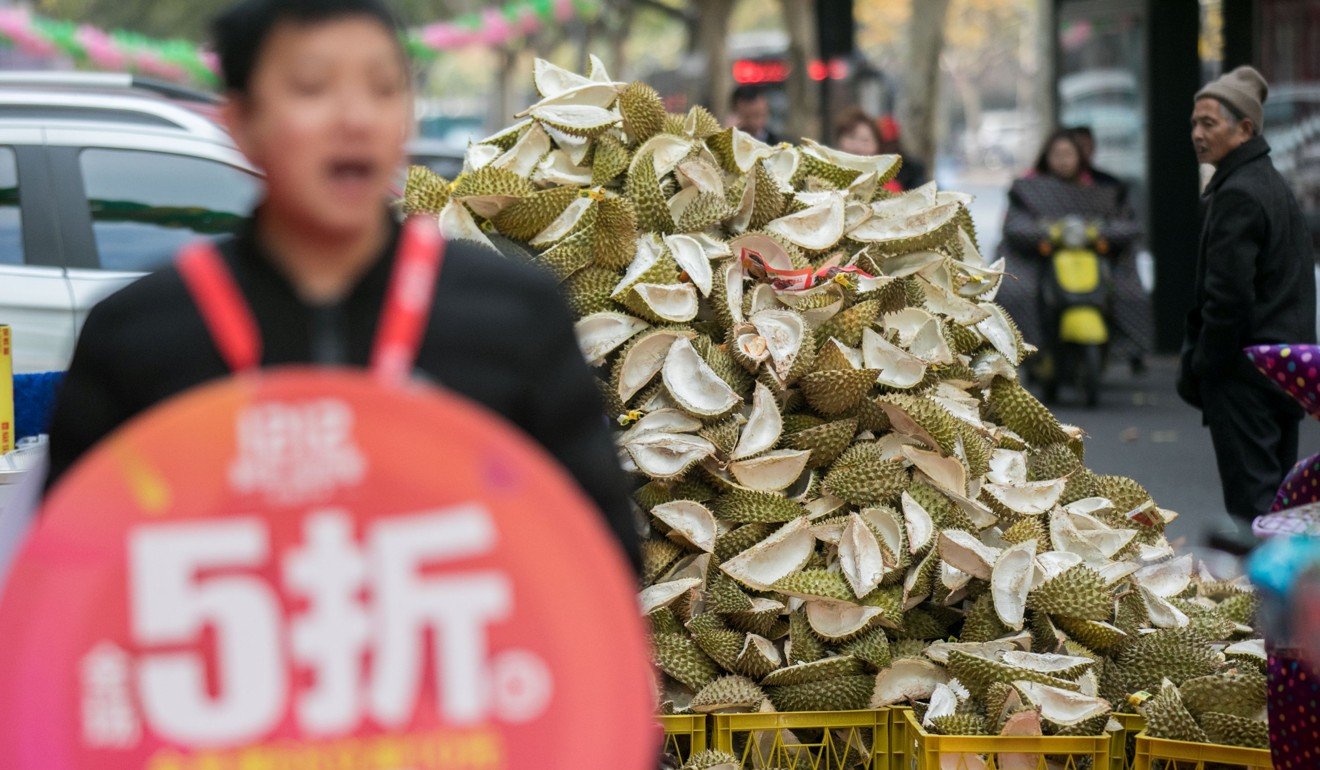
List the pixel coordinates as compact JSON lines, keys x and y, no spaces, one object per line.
{"x":320,"y":100}
{"x":1058,"y":186}
{"x":1254,"y":286}
{"x":1136,"y":327}
{"x":751,"y":113}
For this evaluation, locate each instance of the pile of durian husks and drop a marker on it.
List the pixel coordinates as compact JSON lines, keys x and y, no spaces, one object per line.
{"x":851,"y":501}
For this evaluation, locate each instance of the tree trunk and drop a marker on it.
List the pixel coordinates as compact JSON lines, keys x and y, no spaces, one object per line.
{"x":713,"y":41}
{"x":509,"y":77}
{"x":621,"y":18}
{"x":804,"y":119}
{"x":1044,"y":99}
{"x":968,"y":94}
{"x":922,"y":81}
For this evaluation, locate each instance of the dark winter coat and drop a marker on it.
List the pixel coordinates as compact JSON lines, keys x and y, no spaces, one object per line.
{"x":1254,"y":271}
{"x":499,"y":334}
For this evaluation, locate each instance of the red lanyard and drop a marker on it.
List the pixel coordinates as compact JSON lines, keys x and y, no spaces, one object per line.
{"x":403,"y":319}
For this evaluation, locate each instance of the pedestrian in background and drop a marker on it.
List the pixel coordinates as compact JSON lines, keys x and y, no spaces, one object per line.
{"x":751,"y":113}
{"x":1254,"y":286}
{"x":1058,"y":186}
{"x":1135,"y":326}
{"x":1085,"y":139}
{"x":856,"y":132}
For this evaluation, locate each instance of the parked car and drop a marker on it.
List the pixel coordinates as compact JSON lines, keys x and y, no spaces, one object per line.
{"x":102,"y":177}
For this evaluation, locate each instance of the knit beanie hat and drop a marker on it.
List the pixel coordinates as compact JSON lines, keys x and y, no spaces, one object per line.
{"x":1244,"y":89}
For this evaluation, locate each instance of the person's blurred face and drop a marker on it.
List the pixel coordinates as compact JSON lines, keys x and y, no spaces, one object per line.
{"x":326,"y":116}
{"x":859,"y":140}
{"x":1063,"y":159}
{"x":753,"y":114}
{"x":1214,"y":133}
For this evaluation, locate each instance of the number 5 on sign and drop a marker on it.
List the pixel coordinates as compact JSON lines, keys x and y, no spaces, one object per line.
{"x":173,"y":604}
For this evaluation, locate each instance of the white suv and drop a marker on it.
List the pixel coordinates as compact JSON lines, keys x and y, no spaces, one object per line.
{"x":102,"y":177}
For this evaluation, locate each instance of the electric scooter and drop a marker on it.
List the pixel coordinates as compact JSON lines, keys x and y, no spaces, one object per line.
{"x":1076,"y":298}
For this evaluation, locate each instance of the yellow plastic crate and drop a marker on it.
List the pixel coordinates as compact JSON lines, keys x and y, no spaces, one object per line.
{"x":1160,"y":754}
{"x":685,"y":735}
{"x":916,"y":749}
{"x":827,"y":740}
{"x":1123,"y":750}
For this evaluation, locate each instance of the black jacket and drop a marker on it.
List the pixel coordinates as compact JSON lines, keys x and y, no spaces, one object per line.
{"x":499,"y":334}
{"x":1254,"y":273}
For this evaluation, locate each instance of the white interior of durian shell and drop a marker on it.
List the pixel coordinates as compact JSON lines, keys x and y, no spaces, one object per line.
{"x":998,"y":331}
{"x":558,"y":169}
{"x":692,"y":258}
{"x":947,"y":473}
{"x":920,"y":525}
{"x":523,"y":157}
{"x":907,"y":679}
{"x":665,"y":455}
{"x":552,"y":80}
{"x":943,"y":703}
{"x":700,"y":174}
{"x":675,"y":302}
{"x":880,"y":164}
{"x":1042,"y":662}
{"x":1060,"y":706}
{"x":764,"y":425}
{"x":882,"y":229}
{"x":693,"y":384}
{"x":644,"y":361}
{"x":1010,"y":582}
{"x":663,"y":594}
{"x":898,"y":368}
{"x":860,"y":558}
{"x":966,"y":553}
{"x":600,"y":334}
{"x":838,"y":620}
{"x":772,"y":471}
{"x":1087,"y":536}
{"x":1029,"y":498}
{"x":1162,"y":613}
{"x":667,"y":151}
{"x":564,"y":223}
{"x":690,"y":521}
{"x":778,"y":556}
{"x":1051,"y":564}
{"x":457,"y":224}
{"x":766,"y":247}
{"x":1168,"y":578}
{"x":816,"y":228}
{"x":661,"y":421}
{"x":784,"y":333}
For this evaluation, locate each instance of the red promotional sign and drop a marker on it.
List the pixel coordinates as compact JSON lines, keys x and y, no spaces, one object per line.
{"x":306,"y":570}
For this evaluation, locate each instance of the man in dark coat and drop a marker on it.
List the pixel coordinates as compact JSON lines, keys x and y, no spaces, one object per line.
{"x":319,"y":99}
{"x":1254,"y":285}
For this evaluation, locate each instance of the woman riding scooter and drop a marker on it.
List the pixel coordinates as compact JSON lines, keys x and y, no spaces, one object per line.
{"x":1060,"y":188}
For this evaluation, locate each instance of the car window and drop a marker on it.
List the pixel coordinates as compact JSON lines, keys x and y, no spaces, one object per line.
{"x":146,"y":205}
{"x":11,"y":219}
